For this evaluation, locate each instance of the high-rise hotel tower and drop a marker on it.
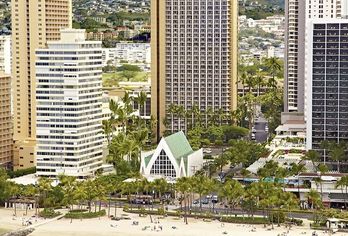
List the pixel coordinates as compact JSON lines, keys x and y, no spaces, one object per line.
{"x":34,"y":22}
{"x":297,"y":14}
{"x":194,"y":58}
{"x":69,"y":106}
{"x":327,"y":103}
{"x":5,"y":121}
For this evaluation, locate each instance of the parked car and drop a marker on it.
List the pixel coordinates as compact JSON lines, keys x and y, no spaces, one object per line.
{"x":205,"y":201}
{"x":207,"y":150}
{"x":214,"y":199}
{"x":253,"y":137}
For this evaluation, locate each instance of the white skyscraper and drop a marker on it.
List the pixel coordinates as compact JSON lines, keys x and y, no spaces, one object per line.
{"x":344,"y":8}
{"x":298,"y":13}
{"x":69,"y":106}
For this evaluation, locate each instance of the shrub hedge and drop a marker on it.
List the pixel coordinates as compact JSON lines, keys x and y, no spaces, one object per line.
{"x":49,"y":213}
{"x":85,"y":215}
{"x":19,"y":173}
{"x":245,"y":220}
{"x":238,"y":220}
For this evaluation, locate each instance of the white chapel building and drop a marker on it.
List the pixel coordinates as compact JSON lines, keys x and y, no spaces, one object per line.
{"x":173,"y":158}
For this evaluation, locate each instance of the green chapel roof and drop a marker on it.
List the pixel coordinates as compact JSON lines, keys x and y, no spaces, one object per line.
{"x":147,"y":159}
{"x":179,"y":145}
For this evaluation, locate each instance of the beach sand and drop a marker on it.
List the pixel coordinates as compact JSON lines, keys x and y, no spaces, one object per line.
{"x":10,"y":222}
{"x":105,"y":226}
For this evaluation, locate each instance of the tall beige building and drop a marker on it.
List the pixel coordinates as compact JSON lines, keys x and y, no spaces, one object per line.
{"x":194,"y":58}
{"x":33,"y":23}
{"x":5,"y":121}
{"x":298,"y":13}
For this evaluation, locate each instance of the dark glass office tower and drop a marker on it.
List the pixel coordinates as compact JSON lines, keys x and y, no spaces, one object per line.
{"x":327,"y":80}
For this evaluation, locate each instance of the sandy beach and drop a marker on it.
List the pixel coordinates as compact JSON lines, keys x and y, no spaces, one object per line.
{"x":10,"y":222}
{"x":105,"y":226}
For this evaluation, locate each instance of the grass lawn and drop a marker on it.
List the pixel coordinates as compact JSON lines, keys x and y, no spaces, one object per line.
{"x":112,"y":79}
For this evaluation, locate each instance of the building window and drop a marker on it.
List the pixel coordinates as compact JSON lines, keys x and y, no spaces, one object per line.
{"x":163,"y":166}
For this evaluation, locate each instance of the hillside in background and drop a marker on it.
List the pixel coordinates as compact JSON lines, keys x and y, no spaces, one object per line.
{"x":256,"y":9}
{"x":260,"y":9}
{"x":5,"y":16}
{"x":279,"y":3}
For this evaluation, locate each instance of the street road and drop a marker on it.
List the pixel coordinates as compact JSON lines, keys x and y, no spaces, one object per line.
{"x":260,"y":134}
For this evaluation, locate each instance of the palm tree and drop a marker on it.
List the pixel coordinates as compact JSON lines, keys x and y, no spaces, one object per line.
{"x":183,"y":185}
{"x":337,"y":152}
{"x":199,"y":186}
{"x":115,"y":186}
{"x":289,"y":201}
{"x":280,"y":174}
{"x":140,"y":136}
{"x":180,"y":112}
{"x":44,"y":187}
{"x":315,"y":200}
{"x":211,"y":186}
{"x":127,"y":100}
{"x":172,"y":110}
{"x":196,"y":113}
{"x":117,"y":151}
{"x":242,"y":80}
{"x":107,"y":130}
{"x":80,"y":194}
{"x":30,"y":192}
{"x":13,"y":191}
{"x":132,"y":149}
{"x":68,"y":185}
{"x":141,"y":99}
{"x":114,"y":107}
{"x":268,"y":170}
{"x":221,"y":161}
{"x":101,"y":191}
{"x":127,"y":109}
{"x":297,"y":169}
{"x":122,"y":118}
{"x":221,"y":115}
{"x":343,"y":184}
{"x":147,"y":187}
{"x":151,"y":126}
{"x":274,"y":67}
{"x":88,"y":192}
{"x":209,"y":116}
{"x":247,"y":104}
{"x":233,"y":192}
{"x":110,"y":186}
{"x":250,"y":198}
{"x":312,"y":156}
{"x":160,"y":186}
{"x":259,"y":82}
{"x":128,"y":188}
{"x":250,"y":82}
{"x":319,"y":182}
